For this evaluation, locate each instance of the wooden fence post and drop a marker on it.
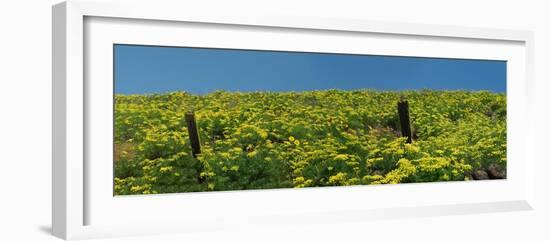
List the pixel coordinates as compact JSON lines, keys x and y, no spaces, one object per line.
{"x":193,"y":133}
{"x":403,"y":110}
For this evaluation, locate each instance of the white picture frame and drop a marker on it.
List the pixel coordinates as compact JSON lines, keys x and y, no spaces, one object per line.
{"x":83,"y":208}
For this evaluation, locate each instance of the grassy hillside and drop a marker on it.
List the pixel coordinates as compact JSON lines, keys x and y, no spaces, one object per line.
{"x":306,"y":139}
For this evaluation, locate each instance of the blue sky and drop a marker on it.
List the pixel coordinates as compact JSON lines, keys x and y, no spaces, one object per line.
{"x":152,"y":69}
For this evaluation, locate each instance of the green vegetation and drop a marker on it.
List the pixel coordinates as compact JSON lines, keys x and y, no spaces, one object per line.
{"x":308,"y":139}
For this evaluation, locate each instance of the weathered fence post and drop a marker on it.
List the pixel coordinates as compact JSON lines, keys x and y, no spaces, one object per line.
{"x":193,"y":133}
{"x":403,"y":110}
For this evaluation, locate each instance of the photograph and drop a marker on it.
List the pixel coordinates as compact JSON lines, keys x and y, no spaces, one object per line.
{"x":194,"y":119}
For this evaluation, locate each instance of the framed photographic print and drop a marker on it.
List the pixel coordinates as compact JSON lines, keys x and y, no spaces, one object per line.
{"x":181,"y":121}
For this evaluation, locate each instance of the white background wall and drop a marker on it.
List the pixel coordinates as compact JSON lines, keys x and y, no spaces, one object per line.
{"x":25,"y":119}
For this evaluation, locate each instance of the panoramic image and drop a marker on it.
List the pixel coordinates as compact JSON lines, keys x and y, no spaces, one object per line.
{"x":192,"y":119}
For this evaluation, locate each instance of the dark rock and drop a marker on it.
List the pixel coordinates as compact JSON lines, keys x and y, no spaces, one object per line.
{"x":496,"y":172}
{"x":480,"y":175}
